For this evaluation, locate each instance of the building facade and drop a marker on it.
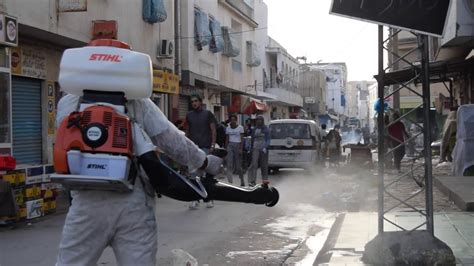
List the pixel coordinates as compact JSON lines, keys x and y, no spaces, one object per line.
{"x":336,"y":78}
{"x":281,"y":77}
{"x":313,"y":90}
{"x":31,"y":68}
{"x":358,"y":100}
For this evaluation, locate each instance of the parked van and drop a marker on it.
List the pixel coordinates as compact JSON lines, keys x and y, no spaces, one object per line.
{"x":294,"y":144}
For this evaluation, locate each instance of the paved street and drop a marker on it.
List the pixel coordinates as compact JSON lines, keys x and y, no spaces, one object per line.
{"x":229,"y":233}
{"x":293,"y":232}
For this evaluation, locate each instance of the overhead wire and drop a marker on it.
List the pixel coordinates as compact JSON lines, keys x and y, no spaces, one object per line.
{"x":215,"y":35}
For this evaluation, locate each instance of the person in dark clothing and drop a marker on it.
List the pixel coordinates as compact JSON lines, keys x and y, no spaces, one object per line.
{"x":334,"y":146}
{"x":366,"y":134}
{"x":202,"y":131}
{"x":398,"y":134}
{"x":220,"y":134}
{"x":323,"y":134}
{"x":248,"y":127}
{"x":201,"y":125}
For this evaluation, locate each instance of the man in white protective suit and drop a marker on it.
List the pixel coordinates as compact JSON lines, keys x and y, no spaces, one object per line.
{"x":125,"y":221}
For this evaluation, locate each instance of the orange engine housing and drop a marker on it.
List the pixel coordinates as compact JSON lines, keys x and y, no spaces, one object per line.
{"x":97,"y":129}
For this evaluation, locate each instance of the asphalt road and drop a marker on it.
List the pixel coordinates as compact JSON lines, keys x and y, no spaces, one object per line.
{"x":228,"y":234}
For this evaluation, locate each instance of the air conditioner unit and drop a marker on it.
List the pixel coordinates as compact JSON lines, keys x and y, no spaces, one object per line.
{"x":166,"y":49}
{"x":460,"y":24}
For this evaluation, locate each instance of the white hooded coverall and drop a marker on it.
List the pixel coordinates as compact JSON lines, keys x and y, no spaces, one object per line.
{"x":124,"y":221}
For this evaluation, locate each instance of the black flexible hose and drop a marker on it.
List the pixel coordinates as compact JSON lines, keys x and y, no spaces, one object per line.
{"x":168,"y":182}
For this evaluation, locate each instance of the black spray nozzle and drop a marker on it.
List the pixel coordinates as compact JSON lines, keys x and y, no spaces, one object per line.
{"x":219,"y":152}
{"x":168,"y":182}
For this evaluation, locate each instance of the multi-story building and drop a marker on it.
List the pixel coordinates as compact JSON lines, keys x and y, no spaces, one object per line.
{"x":336,"y":78}
{"x":313,"y":90}
{"x":222,"y":54}
{"x":29,"y":71}
{"x":358,"y":100}
{"x":352,"y":109}
{"x":281,"y":77}
{"x":373,"y":95}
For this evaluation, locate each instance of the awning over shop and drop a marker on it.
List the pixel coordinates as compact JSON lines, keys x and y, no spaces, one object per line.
{"x":255,"y":107}
{"x":247,"y":105}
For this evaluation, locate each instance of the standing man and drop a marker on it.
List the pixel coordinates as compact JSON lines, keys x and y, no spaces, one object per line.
{"x":234,"y":145}
{"x":323,"y":134}
{"x":334,"y":146}
{"x":398,"y":133}
{"x":202,"y":131}
{"x":366,"y":134}
{"x":260,"y":143}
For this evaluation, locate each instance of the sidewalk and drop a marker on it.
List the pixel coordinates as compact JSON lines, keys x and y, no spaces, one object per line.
{"x":455,"y":229}
{"x":459,"y":189}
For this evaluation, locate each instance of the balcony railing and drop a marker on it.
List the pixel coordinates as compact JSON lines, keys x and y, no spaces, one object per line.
{"x":242,"y":7}
{"x":289,"y":85}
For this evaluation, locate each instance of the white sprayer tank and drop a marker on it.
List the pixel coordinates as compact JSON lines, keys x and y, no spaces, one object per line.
{"x":107,"y":69}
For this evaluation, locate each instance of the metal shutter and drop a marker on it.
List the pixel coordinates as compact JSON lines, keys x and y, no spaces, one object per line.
{"x":26,"y":120}
{"x":183,"y":106}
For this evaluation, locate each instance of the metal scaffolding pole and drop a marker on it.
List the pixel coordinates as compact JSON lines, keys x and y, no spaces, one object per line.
{"x":385,"y":77}
{"x":380,"y":127}
{"x":427,"y":132}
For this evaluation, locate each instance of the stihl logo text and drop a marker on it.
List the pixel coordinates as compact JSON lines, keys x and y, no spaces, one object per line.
{"x":106,"y":57}
{"x":96,"y":166}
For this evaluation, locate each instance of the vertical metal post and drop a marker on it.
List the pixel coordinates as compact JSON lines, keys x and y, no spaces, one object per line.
{"x":427,"y":132}
{"x":396,"y":96}
{"x":380,"y":126}
{"x":177,"y":37}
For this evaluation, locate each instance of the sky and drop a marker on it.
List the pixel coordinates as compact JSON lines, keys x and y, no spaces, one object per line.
{"x":305,"y":28}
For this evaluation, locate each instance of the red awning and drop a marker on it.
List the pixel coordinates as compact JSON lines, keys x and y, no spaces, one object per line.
{"x":255,"y":107}
{"x":246,"y":105}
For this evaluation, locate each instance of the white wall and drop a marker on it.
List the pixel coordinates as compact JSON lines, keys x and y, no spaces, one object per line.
{"x":336,"y":85}
{"x":215,"y":65}
{"x":142,"y":36}
{"x":245,"y":79}
{"x":202,"y":62}
{"x":373,"y":92}
{"x":261,"y":38}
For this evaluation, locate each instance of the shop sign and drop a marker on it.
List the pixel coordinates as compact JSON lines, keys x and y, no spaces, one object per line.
{"x":29,"y":61}
{"x":226,"y":98}
{"x":165,"y":82}
{"x":104,"y":29}
{"x":310,"y":100}
{"x":72,"y":5}
{"x":8,"y":30}
{"x":51,"y":108}
{"x":427,"y":17}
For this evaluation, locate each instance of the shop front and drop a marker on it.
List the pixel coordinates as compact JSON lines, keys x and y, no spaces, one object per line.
{"x":165,"y":86}
{"x":8,"y":40}
{"x":28,"y":100}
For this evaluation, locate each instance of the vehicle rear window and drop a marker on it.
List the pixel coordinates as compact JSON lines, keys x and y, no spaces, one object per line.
{"x":290,"y":130}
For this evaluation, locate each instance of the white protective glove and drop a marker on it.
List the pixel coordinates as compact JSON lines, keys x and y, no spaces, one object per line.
{"x":214,"y":165}
{"x":264,"y":150}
